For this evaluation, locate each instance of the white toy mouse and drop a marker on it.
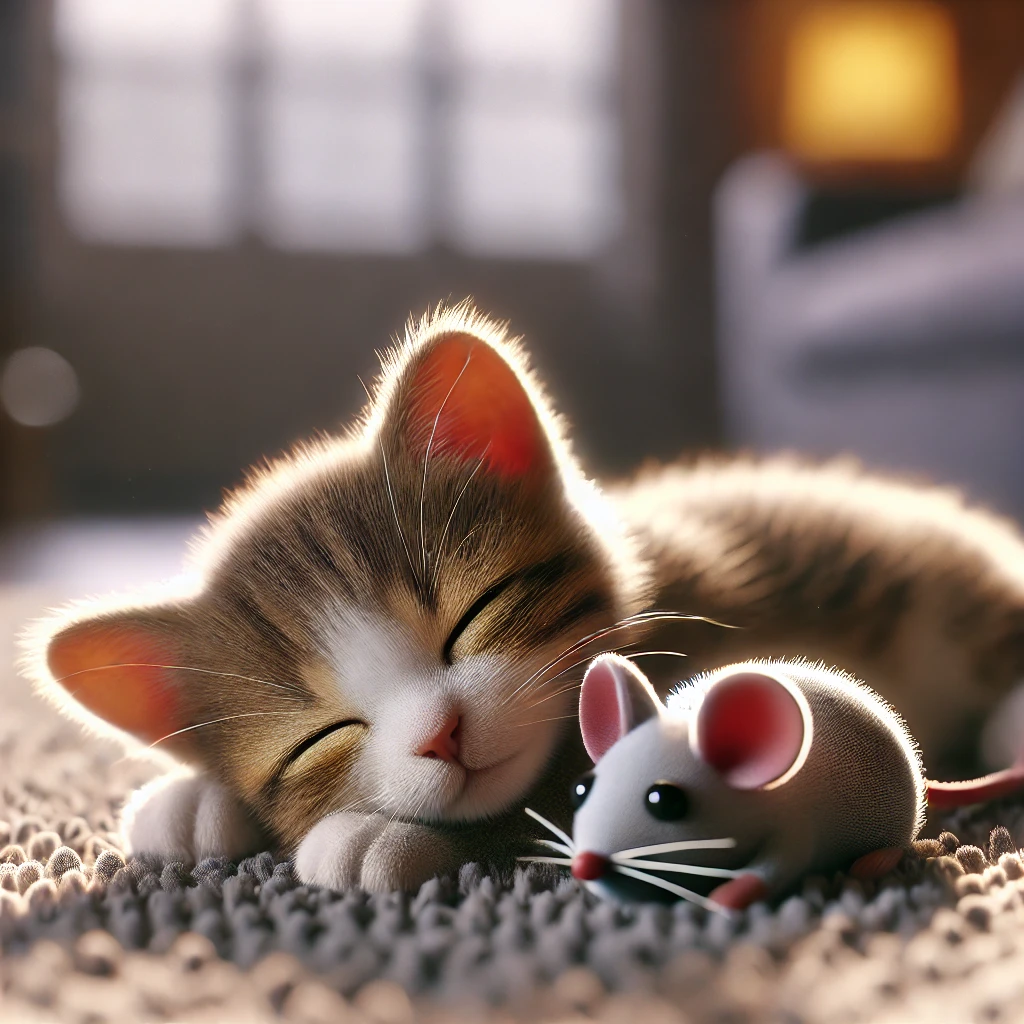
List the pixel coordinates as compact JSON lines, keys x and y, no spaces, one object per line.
{"x":753,"y":776}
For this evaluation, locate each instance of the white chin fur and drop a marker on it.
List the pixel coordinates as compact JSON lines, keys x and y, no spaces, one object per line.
{"x":435,"y":791}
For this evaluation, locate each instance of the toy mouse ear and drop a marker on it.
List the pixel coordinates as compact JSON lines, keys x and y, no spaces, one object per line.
{"x":615,"y":698}
{"x":465,"y":397}
{"x":753,"y":728}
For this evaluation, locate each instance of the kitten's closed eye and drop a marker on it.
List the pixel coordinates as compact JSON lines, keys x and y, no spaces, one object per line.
{"x":532,"y":593}
{"x":315,"y":739}
{"x":489,"y":595}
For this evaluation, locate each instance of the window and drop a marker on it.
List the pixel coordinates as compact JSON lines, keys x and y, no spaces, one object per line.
{"x":356,"y":125}
{"x":145,"y":119}
{"x":532,"y":140}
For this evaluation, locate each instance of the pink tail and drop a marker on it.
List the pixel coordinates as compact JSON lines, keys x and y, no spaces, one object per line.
{"x":943,"y":795}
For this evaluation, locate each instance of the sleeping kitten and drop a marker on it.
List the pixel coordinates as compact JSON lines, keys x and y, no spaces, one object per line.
{"x":362,"y":656}
{"x":379,"y":668}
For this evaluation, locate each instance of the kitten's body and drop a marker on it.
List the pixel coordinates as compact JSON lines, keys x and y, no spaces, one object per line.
{"x":900,"y":585}
{"x":364,"y":595}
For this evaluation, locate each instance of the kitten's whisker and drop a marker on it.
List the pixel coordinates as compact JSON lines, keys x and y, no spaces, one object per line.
{"x":552,"y":845}
{"x":394,"y":509}
{"x":682,"y":869}
{"x":447,"y":525}
{"x":540,"y":721}
{"x":462,"y":542}
{"x":183,"y":668}
{"x":218,"y":721}
{"x":639,"y":619}
{"x":568,"y":652}
{"x":554,"y":829}
{"x":565,"y":861}
{"x":575,"y":683}
{"x":426,"y":460}
{"x":678,"y":890}
{"x":649,"y":654}
{"x":684,"y":844}
{"x":621,"y":648}
{"x":567,"y":688}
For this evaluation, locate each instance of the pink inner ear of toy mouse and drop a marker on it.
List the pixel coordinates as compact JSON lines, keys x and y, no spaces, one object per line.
{"x":750,"y":729}
{"x":601,"y":716}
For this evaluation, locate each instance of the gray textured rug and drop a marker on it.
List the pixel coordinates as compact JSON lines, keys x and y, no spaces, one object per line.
{"x":86,"y":937}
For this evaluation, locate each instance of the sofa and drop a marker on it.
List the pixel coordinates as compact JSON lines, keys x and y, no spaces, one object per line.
{"x":887,"y":327}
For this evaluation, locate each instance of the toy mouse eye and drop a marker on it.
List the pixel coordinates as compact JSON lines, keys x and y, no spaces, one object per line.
{"x":667,"y":802}
{"x":580,"y":788}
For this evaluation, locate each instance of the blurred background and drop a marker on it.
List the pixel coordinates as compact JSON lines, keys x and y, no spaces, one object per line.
{"x":757,"y":224}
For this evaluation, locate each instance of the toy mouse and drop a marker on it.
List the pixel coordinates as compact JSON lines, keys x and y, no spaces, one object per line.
{"x":752,"y":776}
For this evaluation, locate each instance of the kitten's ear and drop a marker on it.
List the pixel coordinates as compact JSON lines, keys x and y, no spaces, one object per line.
{"x":615,"y":698}
{"x":121,"y":667}
{"x":753,"y":728}
{"x":461,"y":397}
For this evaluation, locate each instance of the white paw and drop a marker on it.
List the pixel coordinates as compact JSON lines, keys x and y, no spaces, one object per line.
{"x":186,"y":817}
{"x":346,"y":850}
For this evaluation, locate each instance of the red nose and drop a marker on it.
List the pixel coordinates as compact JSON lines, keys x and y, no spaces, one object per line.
{"x":588,"y":867}
{"x":444,"y":744}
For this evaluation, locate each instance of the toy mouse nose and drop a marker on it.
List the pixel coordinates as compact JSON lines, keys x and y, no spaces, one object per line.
{"x":588,"y":866}
{"x":444,"y":744}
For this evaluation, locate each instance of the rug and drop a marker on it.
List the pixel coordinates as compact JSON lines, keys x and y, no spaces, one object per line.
{"x":89,"y":937}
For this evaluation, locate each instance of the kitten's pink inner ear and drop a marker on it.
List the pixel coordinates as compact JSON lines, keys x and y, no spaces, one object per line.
{"x":112,"y":669}
{"x":752,"y":728}
{"x":467,"y":401}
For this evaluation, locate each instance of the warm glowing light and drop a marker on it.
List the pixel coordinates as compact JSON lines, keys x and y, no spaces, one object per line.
{"x":872,"y":81}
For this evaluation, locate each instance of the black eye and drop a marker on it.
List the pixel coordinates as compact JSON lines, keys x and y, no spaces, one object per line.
{"x":667,"y":802}
{"x":580,"y":788}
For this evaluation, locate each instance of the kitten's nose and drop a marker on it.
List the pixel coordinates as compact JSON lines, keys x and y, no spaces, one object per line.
{"x":445,"y":743}
{"x":588,"y":866}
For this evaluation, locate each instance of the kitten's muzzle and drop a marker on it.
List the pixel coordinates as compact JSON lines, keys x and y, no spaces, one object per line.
{"x":588,"y":866}
{"x":446,"y":743}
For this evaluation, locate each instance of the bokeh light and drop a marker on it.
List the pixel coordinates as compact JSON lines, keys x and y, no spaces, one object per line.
{"x":39,"y":387}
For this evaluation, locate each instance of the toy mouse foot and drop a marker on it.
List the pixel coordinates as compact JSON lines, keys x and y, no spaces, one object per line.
{"x":876,"y":863}
{"x":739,"y":893}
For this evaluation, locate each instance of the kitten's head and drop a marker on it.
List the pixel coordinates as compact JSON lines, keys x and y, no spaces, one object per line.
{"x":374,"y":607}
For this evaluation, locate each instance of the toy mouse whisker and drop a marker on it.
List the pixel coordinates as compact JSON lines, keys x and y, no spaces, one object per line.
{"x":684,"y":869}
{"x":678,"y":890}
{"x":559,"y":847}
{"x":554,"y":829}
{"x":686,"y":844}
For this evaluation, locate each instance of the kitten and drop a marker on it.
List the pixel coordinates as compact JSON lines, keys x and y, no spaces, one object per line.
{"x":357,"y":676}
{"x":378,"y":671}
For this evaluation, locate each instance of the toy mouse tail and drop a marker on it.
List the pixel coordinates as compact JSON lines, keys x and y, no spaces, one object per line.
{"x":944,"y":795}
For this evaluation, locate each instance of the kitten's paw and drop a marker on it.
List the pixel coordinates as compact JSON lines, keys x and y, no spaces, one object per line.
{"x":346,"y":850}
{"x":186,"y":817}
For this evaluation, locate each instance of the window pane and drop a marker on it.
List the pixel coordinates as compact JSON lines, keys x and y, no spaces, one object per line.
{"x":192,"y":29}
{"x":369,"y":29}
{"x":532,"y":180}
{"x":342,"y":166}
{"x":145,"y":157}
{"x":533,"y":160}
{"x":574,"y":36}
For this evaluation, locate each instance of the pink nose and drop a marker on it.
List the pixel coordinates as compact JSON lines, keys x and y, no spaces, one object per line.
{"x":588,"y":867}
{"x":445,"y":743}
